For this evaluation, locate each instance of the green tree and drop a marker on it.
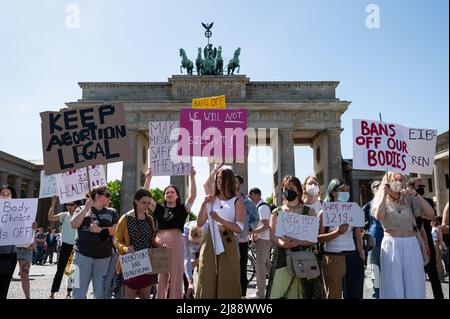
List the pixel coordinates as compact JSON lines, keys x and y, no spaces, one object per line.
{"x":158,"y":195}
{"x":192,"y":216}
{"x":269,"y":200}
{"x":114,"y":189}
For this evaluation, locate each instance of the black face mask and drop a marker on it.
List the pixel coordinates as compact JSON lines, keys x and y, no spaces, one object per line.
{"x":420,"y":191}
{"x":290,"y":195}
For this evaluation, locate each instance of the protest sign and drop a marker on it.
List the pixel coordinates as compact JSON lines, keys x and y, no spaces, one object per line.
{"x":380,"y":146}
{"x":16,"y":221}
{"x":337,"y":213}
{"x":47,"y":186}
{"x":135,"y":264}
{"x":160,"y":150}
{"x":73,"y":184}
{"x":213,"y":102}
{"x":213,"y":133}
{"x":75,"y":138}
{"x":301,"y":227}
{"x":421,"y":149}
{"x":160,"y":259}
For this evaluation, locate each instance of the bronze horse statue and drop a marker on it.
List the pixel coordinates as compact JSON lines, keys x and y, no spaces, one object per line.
{"x":234,"y":63}
{"x":186,"y":63}
{"x":219,"y":62}
{"x":199,"y":62}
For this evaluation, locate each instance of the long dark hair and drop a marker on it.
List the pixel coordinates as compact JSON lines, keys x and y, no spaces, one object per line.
{"x":11,"y":189}
{"x":334,"y":185}
{"x":138,"y":195}
{"x":228,"y":185}
{"x":176,"y":190}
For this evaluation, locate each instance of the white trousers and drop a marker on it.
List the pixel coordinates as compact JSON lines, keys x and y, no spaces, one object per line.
{"x":402,"y":272}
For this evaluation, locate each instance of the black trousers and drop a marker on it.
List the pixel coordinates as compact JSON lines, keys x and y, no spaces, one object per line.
{"x":243,"y":252}
{"x":64,"y":255}
{"x":9,"y":261}
{"x":431,"y":270}
{"x":353,"y":283}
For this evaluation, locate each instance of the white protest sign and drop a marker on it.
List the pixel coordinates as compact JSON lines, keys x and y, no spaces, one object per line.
{"x":73,"y":185}
{"x":380,"y":146}
{"x":163,"y":162}
{"x":301,"y":227}
{"x":47,"y":187}
{"x":135,"y":264}
{"x":16,"y":221}
{"x":336,"y":214}
{"x":421,"y":149}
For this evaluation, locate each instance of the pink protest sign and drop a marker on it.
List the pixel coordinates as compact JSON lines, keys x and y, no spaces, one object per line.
{"x":216,"y":133}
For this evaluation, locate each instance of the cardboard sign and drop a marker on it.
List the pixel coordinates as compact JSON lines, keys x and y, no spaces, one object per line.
{"x":135,"y":264}
{"x":301,"y":227}
{"x":214,"y":102}
{"x":336,"y":214}
{"x":161,"y":153}
{"x":421,"y":149}
{"x":47,"y":186}
{"x":160,"y":259}
{"x":213,"y":133}
{"x":16,"y":221}
{"x":73,"y":184}
{"x":75,"y":138}
{"x":380,"y":146}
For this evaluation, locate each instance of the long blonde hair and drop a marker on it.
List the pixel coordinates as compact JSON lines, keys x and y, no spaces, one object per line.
{"x":387,"y":179}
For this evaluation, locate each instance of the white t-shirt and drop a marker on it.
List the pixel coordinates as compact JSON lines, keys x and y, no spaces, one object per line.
{"x":341,"y":243}
{"x":317,"y":206}
{"x":264,"y":213}
{"x":68,"y":233}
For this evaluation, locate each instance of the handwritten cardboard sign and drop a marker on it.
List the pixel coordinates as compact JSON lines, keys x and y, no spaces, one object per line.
{"x":336,"y":214}
{"x":135,"y":264}
{"x":161,"y":153}
{"x":75,"y":138}
{"x":16,"y":221}
{"x":301,"y":227}
{"x":160,"y":259}
{"x":47,"y":186}
{"x":213,"y":102}
{"x":73,"y":184}
{"x":421,"y":149}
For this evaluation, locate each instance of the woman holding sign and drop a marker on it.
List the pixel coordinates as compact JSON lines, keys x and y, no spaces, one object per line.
{"x":8,"y":254}
{"x":170,"y":219}
{"x":343,"y":260}
{"x":402,"y":263}
{"x":96,"y":224}
{"x":219,"y":268}
{"x":283,"y":283}
{"x":136,"y":231}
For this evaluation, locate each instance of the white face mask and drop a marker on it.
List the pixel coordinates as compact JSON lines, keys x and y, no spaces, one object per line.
{"x":396,"y":186}
{"x":312,"y":190}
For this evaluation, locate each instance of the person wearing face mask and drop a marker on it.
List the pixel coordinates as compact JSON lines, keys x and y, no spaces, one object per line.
{"x":402,"y":263}
{"x":282,"y":283}
{"x":343,"y":261}
{"x":311,"y":193}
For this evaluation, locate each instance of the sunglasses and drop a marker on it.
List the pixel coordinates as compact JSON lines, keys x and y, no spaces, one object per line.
{"x":70,"y":205}
{"x":107,"y":195}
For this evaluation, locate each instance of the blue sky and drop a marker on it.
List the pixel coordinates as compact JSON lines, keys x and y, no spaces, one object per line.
{"x":399,"y":69}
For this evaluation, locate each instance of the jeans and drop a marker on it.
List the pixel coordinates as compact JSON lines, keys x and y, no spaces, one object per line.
{"x":374,"y":260}
{"x":39,"y":256}
{"x":90,"y":269}
{"x":243,"y":252}
{"x":353,"y":285}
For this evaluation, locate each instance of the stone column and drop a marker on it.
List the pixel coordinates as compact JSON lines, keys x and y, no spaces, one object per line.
{"x":355,"y":191}
{"x":130,"y":176}
{"x":30,"y":189}
{"x":334,"y":154}
{"x":439,"y":186}
{"x":242,"y":169}
{"x":18,"y":185}
{"x":283,"y":159}
{"x":3,"y":178}
{"x":180,"y":183}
